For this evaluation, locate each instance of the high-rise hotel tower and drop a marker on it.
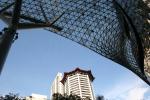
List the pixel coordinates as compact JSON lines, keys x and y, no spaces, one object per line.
{"x":78,"y":82}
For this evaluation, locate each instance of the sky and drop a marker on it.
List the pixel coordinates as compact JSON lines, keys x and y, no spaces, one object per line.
{"x":38,"y":55}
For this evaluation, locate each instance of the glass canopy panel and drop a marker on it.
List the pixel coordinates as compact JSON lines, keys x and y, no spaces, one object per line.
{"x":107,"y":27}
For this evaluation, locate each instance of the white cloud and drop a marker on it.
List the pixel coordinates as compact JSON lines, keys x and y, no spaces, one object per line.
{"x":133,"y":89}
{"x":137,"y":93}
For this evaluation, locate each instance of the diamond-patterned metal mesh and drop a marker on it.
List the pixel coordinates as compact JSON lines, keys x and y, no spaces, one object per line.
{"x":99,"y":25}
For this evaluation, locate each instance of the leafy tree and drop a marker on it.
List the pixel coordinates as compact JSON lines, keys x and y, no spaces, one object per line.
{"x":57,"y":96}
{"x":10,"y":96}
{"x":100,"y":98}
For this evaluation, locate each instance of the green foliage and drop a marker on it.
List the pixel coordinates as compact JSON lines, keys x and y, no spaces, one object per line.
{"x":100,"y":98}
{"x":10,"y":96}
{"x":58,"y":96}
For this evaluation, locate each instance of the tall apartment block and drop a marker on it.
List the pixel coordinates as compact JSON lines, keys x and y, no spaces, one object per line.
{"x":57,"y":86}
{"x":78,"y":82}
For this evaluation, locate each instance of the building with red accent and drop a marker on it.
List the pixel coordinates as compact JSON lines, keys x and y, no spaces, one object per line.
{"x":78,"y":82}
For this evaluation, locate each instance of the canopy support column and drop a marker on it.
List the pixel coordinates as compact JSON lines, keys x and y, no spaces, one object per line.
{"x":7,"y":37}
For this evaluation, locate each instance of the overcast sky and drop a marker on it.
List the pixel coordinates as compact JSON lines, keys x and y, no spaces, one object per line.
{"x":38,"y":55}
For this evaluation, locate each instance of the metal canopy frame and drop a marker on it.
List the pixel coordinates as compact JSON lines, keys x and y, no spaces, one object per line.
{"x":122,"y":16}
{"x":115,"y":29}
{"x":12,"y":20}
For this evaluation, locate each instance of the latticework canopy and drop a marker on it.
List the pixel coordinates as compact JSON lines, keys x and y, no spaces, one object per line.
{"x":116,"y":29}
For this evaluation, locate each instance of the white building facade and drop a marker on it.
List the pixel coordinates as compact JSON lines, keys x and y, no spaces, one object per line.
{"x":57,"y":86}
{"x":78,"y":82}
{"x":36,"y":97}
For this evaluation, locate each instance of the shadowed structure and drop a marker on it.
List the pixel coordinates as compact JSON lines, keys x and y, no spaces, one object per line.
{"x":116,"y":29}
